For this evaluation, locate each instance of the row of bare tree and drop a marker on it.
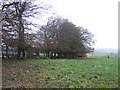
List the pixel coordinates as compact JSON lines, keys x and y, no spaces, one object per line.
{"x":59,"y":38}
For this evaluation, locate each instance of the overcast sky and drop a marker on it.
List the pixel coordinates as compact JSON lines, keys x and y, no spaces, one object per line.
{"x":98,"y":16}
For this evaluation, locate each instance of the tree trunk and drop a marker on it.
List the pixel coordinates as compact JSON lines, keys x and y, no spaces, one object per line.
{"x":55,"y":54}
{"x":23,"y":53}
{"x":7,"y":51}
{"x":21,"y":41}
{"x":48,"y":54}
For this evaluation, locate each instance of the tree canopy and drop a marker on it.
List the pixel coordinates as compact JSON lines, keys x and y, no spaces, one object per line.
{"x":62,"y":38}
{"x":59,"y":38}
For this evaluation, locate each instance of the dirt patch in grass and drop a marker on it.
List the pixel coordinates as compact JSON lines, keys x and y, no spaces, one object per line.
{"x":14,"y":75}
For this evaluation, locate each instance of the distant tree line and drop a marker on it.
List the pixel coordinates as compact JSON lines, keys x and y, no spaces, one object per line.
{"x":60,"y":38}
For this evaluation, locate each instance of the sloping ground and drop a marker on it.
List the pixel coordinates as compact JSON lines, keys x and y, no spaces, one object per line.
{"x":61,"y":73}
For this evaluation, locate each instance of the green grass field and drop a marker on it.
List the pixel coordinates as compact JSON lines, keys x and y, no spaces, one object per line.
{"x":61,"y":73}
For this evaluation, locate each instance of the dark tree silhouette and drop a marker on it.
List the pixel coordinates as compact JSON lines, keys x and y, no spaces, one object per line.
{"x":15,"y":23}
{"x":59,"y":38}
{"x":63,"y":39}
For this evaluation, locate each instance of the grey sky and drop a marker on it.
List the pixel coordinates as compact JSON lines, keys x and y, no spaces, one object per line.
{"x":98,"y":16}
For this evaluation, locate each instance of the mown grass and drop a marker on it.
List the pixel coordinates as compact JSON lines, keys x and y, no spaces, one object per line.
{"x":61,"y":73}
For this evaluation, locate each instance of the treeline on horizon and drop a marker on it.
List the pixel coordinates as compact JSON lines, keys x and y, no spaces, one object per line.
{"x":59,"y":38}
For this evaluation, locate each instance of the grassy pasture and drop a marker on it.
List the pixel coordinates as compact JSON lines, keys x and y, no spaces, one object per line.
{"x":103,"y":55}
{"x":61,"y":73}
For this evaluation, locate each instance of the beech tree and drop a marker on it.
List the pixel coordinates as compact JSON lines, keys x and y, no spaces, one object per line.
{"x":16,"y":15}
{"x":61,"y":38}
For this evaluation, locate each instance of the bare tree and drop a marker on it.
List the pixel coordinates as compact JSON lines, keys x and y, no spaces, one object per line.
{"x":15,"y":15}
{"x":63,"y":38}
